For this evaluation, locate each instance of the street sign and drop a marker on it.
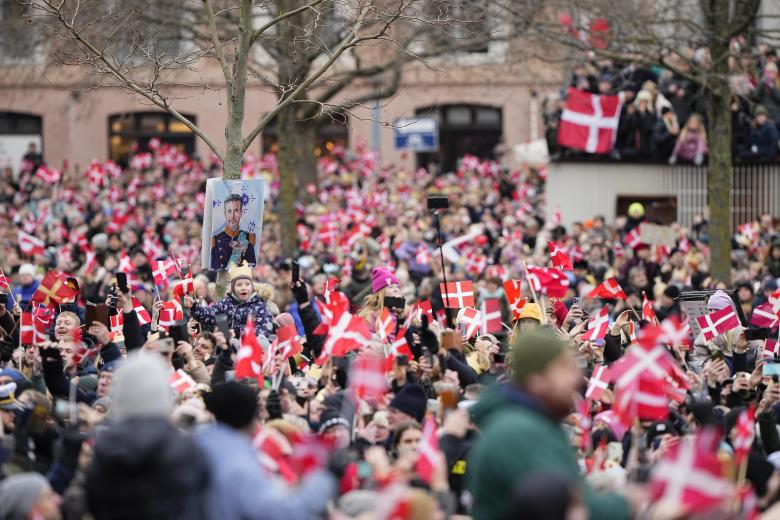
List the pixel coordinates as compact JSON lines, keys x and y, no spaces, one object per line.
{"x":416,"y":134}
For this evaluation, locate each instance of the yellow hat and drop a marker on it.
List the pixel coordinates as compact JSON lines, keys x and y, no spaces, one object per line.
{"x":636,"y":210}
{"x":531,"y":310}
{"x":240,"y":271}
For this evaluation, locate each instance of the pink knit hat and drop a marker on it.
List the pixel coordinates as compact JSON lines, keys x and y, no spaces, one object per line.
{"x":381,"y":278}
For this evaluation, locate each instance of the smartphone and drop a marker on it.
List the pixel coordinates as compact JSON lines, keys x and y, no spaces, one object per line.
{"x":754,"y":334}
{"x":178,"y":332}
{"x":771,"y":369}
{"x":3,"y":298}
{"x":221,"y":321}
{"x":438,"y":202}
{"x":576,"y":301}
{"x":393,"y":302}
{"x":165,"y":346}
{"x":121,"y":282}
{"x":296,"y":271}
{"x":97,"y":312}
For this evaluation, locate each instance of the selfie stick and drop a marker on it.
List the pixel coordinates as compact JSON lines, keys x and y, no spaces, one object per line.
{"x":443,"y":270}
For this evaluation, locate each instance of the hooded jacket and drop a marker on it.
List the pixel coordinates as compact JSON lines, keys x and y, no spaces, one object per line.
{"x":237,"y":313}
{"x":144,"y":468}
{"x":520,"y":440}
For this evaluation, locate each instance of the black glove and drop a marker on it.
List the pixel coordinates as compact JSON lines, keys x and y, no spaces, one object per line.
{"x":339,"y":461}
{"x":301,"y":292}
{"x":273,"y":405}
{"x":428,"y":337}
{"x":68,"y":446}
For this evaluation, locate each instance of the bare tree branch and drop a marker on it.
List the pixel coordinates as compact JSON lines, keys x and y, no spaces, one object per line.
{"x":282,"y":17}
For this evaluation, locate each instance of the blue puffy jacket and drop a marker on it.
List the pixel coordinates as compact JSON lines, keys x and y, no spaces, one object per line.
{"x":237,"y":313}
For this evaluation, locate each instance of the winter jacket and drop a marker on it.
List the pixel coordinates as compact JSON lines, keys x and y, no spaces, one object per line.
{"x":22,"y":295}
{"x":144,"y":468}
{"x":241,"y":490}
{"x":237,"y":313}
{"x":691,"y":146}
{"x":310,"y":320}
{"x":519,"y":440}
{"x":763,"y":141}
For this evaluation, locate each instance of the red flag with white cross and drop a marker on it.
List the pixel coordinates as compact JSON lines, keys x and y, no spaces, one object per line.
{"x":491,"y":316}
{"x":589,"y":122}
{"x":53,"y":290}
{"x":718,"y":322}
{"x":457,"y":295}
{"x":609,"y":289}
{"x":30,"y":245}
{"x":559,"y":257}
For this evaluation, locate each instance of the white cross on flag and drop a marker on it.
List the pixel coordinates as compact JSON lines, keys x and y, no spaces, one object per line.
{"x":417,"y":311}
{"x":771,"y":349}
{"x":32,"y":329}
{"x":633,"y":238}
{"x":743,"y":440}
{"x":30,"y":245}
{"x":648,"y":313}
{"x":428,"y":448}
{"x":140,"y":311}
{"x":367,"y":378}
{"x":162,"y":270}
{"x":609,"y":289}
{"x":249,"y":359}
{"x":385,"y":323}
{"x":598,"y":382}
{"x":289,"y":342}
{"x":423,"y":255}
{"x":457,"y":295}
{"x":181,"y":382}
{"x":764,"y":316}
{"x":4,"y":284}
{"x":491,"y":316}
{"x":468,"y":321}
{"x":718,"y":322}
{"x":589,"y":122}
{"x":116,"y":320}
{"x":559,"y":257}
{"x":691,"y":476}
{"x":170,"y":313}
{"x":597,"y":326}
{"x":675,"y":332}
{"x":48,"y":175}
{"x":516,"y":302}
{"x":548,"y":280}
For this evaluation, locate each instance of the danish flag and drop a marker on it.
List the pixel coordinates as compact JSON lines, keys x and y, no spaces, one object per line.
{"x":289,"y":342}
{"x":30,"y":245}
{"x":125,"y":264}
{"x":4,"y":283}
{"x":599,"y":381}
{"x":648,"y":313}
{"x":457,"y":295}
{"x":345,"y":332}
{"x":181,"y":382}
{"x":597,"y":326}
{"x":516,"y":302}
{"x":589,"y":122}
{"x":141,"y":312}
{"x":53,"y":290}
{"x":170,"y":313}
{"x":367,"y":380}
{"x":491,"y":316}
{"x":90,"y":260}
{"x":423,"y":255}
{"x":633,"y":238}
{"x":691,"y":475}
{"x":771,"y":349}
{"x":608,"y":290}
{"x":548,"y":280}
{"x":417,"y":311}
{"x":675,"y":332}
{"x":558,"y":257}
{"x":399,"y":347}
{"x":743,"y":440}
{"x":496,"y":271}
{"x":32,"y":329}
{"x":116,"y":321}
{"x":476,"y":263}
{"x":428,"y":450}
{"x":648,"y":359}
{"x":385,"y":323}
{"x":162,"y":270}
{"x":187,"y":286}
{"x":249,"y":359}
{"x":643,"y":399}
{"x":469,"y":320}
{"x":718,"y":322}
{"x":48,"y":175}
{"x":764,"y":316}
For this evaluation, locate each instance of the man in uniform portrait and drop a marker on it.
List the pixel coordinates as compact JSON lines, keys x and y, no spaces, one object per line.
{"x":232,"y":245}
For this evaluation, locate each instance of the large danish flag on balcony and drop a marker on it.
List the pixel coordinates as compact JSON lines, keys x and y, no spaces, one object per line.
{"x":589,"y":122}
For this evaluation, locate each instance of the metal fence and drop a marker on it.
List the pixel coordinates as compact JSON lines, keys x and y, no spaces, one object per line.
{"x":585,"y":189}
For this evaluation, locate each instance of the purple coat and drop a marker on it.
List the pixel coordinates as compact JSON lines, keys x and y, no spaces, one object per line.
{"x":237,"y":313}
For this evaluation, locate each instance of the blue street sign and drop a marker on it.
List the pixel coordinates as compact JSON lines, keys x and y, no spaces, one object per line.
{"x":416,"y":134}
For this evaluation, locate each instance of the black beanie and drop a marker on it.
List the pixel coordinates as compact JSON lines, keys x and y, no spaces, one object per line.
{"x":232,"y":403}
{"x":411,"y":400}
{"x":331,"y":418}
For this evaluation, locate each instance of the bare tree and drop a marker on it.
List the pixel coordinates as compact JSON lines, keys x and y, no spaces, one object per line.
{"x":702,"y":41}
{"x":307,"y":52}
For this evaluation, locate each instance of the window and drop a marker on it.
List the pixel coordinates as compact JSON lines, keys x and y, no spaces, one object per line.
{"x":473,"y":129}
{"x":135,"y":129}
{"x":14,"y":123}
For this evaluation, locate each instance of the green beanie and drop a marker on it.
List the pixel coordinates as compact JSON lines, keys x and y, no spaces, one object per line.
{"x":533,"y":350}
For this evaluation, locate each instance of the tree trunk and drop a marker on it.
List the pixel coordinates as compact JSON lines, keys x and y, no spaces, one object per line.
{"x":720,"y":179}
{"x":307,"y":162}
{"x":288,"y":160}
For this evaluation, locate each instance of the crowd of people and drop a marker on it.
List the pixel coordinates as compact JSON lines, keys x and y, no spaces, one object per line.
{"x":663,"y":116}
{"x":148,"y":411}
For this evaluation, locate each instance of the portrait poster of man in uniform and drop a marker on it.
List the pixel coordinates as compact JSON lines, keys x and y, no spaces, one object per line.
{"x":232,"y":223}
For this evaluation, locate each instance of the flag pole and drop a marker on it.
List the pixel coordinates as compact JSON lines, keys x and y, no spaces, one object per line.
{"x":447,"y":310}
{"x":741,"y":479}
{"x":533,"y":292}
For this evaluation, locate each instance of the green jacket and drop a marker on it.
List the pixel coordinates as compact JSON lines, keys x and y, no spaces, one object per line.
{"x":518,"y":440}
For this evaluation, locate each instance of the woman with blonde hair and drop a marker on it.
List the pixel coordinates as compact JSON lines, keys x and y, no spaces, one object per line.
{"x":692,"y":144}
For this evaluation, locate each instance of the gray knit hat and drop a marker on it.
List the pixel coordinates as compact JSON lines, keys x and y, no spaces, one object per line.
{"x":18,"y":494}
{"x":140,"y":388}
